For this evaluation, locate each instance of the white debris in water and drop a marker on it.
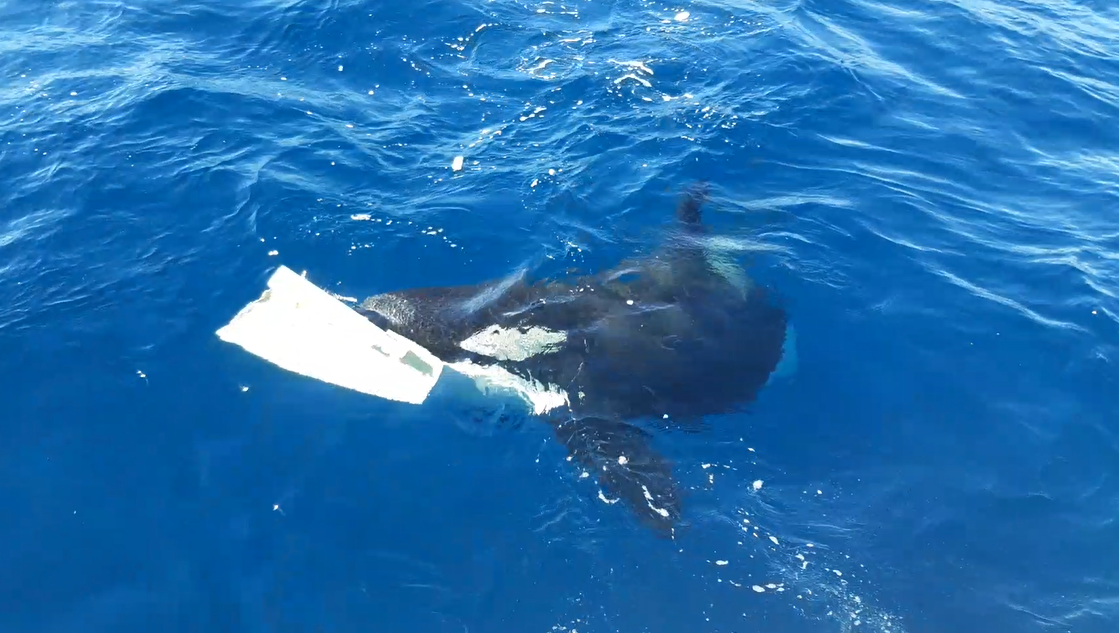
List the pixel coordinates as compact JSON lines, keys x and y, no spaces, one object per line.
{"x":774,"y":539}
{"x":682,"y":16}
{"x":637,"y":65}
{"x":540,"y":66}
{"x":629,"y":302}
{"x":603,"y":498}
{"x":456,"y":165}
{"x":758,"y":484}
{"x":722,"y":562}
{"x":360,"y":216}
{"x":141,"y":374}
{"x":244,"y":388}
{"x":640,"y":80}
{"x":339,"y":67}
{"x":273,"y":253}
{"x":758,"y":588}
{"x":623,"y":460}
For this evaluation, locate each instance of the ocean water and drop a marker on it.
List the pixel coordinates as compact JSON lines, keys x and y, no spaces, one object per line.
{"x":931,"y":186}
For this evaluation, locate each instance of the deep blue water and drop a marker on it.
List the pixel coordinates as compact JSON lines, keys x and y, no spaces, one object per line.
{"x":932,"y":186}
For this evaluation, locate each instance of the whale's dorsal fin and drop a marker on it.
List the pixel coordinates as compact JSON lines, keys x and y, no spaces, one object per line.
{"x":689,"y":211}
{"x":684,"y":250}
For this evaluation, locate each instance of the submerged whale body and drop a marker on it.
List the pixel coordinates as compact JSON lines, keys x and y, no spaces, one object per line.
{"x":666,"y":338}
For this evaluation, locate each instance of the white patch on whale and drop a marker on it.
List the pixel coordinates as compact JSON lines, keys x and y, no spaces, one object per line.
{"x":494,"y":380}
{"x":728,"y":269}
{"x":514,"y":344}
{"x":717,"y":250}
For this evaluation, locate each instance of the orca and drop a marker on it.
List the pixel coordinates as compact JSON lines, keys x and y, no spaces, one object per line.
{"x":661,"y":340}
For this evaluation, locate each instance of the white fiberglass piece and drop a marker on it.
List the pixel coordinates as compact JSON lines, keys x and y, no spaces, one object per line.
{"x":303,"y":329}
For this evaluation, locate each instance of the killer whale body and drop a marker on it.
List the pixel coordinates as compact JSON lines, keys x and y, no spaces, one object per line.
{"x":665,"y":339}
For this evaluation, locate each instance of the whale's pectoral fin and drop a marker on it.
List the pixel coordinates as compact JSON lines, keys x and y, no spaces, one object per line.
{"x":626,"y":465}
